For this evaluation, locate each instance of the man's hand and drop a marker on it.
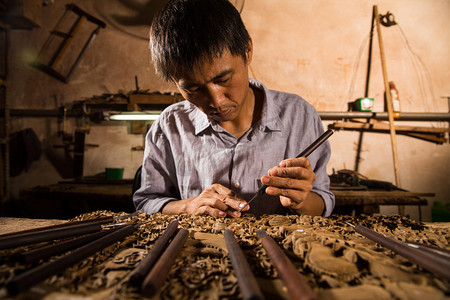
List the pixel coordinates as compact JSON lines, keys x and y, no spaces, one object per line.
{"x":292,"y":180}
{"x":216,"y":201}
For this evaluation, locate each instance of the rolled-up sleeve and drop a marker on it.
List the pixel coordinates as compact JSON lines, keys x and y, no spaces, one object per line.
{"x":158,"y":185}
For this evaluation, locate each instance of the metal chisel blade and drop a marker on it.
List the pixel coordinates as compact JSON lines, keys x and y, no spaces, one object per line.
{"x":253,"y":198}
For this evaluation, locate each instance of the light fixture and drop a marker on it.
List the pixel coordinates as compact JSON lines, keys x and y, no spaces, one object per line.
{"x":134,"y":116}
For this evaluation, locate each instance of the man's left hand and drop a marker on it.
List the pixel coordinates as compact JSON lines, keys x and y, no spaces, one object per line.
{"x":292,"y":180}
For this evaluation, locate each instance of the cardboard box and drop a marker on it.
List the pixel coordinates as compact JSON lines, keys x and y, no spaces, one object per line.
{"x":363,"y":104}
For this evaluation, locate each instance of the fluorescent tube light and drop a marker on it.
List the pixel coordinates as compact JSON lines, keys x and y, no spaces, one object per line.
{"x":134,"y":116}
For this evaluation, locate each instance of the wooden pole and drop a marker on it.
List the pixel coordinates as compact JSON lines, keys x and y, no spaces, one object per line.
{"x":366,"y":93}
{"x":388,"y":99}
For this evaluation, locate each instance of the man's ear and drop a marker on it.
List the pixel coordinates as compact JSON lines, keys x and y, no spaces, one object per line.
{"x":249,"y":52}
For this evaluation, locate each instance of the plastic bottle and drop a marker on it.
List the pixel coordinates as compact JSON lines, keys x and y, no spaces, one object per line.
{"x":395,"y":100}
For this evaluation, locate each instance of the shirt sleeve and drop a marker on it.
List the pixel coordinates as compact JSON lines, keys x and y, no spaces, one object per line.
{"x":158,"y":177}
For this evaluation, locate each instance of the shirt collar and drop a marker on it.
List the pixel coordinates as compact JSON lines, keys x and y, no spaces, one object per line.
{"x":199,"y":120}
{"x":270,"y":114}
{"x":270,"y":118}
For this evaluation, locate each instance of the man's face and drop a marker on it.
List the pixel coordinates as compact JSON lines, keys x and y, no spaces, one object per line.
{"x":219,"y":88}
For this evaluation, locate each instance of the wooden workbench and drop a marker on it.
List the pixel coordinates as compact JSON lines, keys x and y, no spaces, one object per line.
{"x":70,"y":198}
{"x":369,"y":201}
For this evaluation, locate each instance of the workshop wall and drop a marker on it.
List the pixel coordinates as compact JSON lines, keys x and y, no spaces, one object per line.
{"x":317,"y":49}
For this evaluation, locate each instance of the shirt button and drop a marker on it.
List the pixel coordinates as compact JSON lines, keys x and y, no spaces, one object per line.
{"x":236,"y":184}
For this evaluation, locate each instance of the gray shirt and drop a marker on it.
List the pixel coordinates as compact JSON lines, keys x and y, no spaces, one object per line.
{"x":186,"y":152}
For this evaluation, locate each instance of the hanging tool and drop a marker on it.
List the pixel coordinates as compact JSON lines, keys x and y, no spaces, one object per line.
{"x":388,"y":19}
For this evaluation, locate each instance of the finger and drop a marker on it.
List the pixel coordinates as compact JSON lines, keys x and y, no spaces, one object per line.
{"x":217,"y":203}
{"x":233,"y":213}
{"x":292,"y":172}
{"x":288,"y":202}
{"x":213,"y":212}
{"x":228,"y":196}
{"x":212,"y":198}
{"x":235,"y":203}
{"x":279,"y":182}
{"x":295,"y":196}
{"x":287,"y":183}
{"x":222,"y":190}
{"x":295,"y":162}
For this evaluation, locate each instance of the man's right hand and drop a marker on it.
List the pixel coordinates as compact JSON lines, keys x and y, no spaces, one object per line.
{"x":216,"y":201}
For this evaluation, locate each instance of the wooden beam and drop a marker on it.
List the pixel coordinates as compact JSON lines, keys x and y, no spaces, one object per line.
{"x":388,"y":99}
{"x":386,"y":127}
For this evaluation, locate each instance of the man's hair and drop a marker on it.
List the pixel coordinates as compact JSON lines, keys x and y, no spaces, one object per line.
{"x":186,"y":33}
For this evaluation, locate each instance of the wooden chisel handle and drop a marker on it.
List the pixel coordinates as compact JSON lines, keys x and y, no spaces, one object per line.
{"x":296,"y":284}
{"x":48,"y":235}
{"x":45,"y":252}
{"x":159,"y":272}
{"x":139,"y":273}
{"x":247,"y":281}
{"x":101,"y":220}
{"x":433,"y":263}
{"x":25,"y":280}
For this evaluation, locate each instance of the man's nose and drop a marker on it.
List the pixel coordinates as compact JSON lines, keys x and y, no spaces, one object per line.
{"x":215,"y":95}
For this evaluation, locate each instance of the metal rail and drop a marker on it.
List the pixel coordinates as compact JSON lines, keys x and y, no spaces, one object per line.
{"x":324,"y":115}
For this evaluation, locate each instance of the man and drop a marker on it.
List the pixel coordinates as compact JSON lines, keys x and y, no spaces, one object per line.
{"x":208,"y":154}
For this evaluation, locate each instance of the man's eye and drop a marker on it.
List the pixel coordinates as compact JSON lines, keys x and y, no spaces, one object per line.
{"x":222,"y":80}
{"x":192,"y":89}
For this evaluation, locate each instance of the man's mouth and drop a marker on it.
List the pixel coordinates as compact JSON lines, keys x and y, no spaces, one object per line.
{"x":222,"y":113}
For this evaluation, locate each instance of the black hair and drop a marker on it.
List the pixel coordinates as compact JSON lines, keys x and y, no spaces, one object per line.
{"x":185,"y":33}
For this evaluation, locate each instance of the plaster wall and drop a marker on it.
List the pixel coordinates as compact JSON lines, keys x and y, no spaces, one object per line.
{"x":317,"y":49}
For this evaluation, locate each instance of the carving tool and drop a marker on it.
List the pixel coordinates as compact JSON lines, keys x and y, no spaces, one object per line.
{"x":155,"y":279}
{"x":435,"y":264}
{"x":247,"y":281}
{"x":25,"y":280}
{"x":56,"y":232}
{"x":305,"y":153}
{"x":45,"y":252}
{"x":139,"y":273}
{"x":296,"y":284}
{"x":430,"y":249}
{"x":52,"y":234}
{"x":101,"y":220}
